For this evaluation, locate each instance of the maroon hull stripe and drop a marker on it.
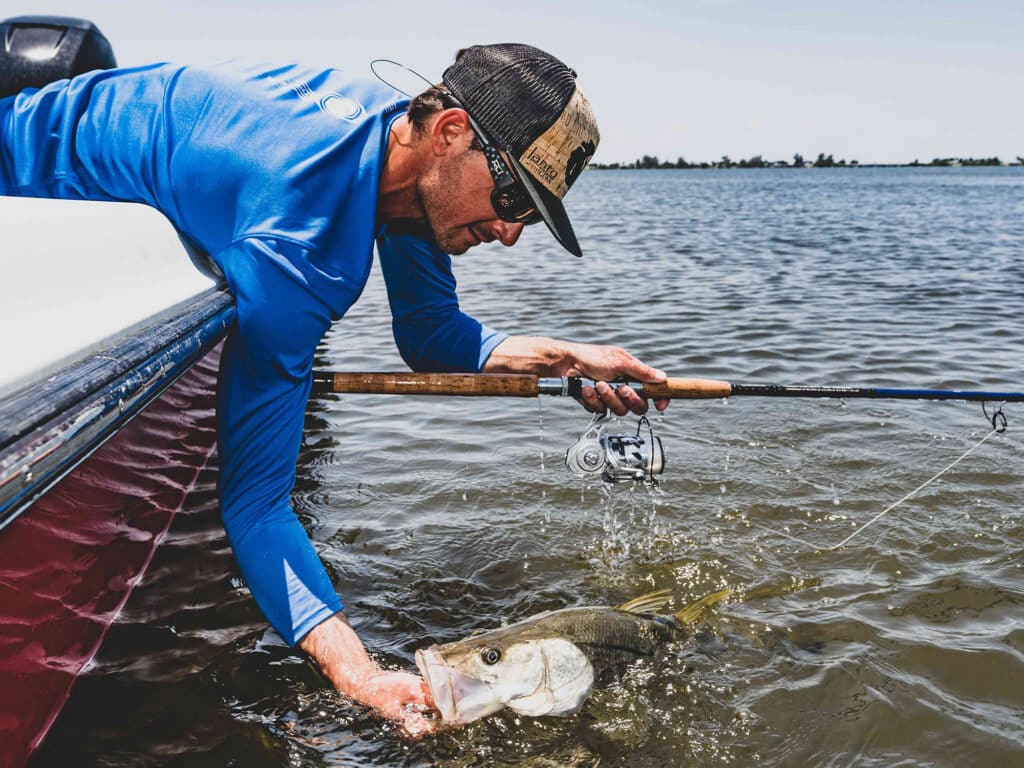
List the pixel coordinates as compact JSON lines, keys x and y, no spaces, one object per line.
{"x":69,"y":562}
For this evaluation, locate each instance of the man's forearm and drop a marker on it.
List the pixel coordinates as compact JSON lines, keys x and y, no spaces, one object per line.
{"x":340,"y":654}
{"x":342,"y":657}
{"x":538,"y":355}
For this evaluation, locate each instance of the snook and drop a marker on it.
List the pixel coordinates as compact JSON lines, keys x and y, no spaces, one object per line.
{"x":544,"y":665}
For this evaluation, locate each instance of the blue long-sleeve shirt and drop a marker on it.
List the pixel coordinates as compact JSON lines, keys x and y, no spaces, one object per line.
{"x":274,"y":172}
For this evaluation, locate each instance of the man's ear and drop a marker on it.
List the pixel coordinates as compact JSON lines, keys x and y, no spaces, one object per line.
{"x":450,"y":129}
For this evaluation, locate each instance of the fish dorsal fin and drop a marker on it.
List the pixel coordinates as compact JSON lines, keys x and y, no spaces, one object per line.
{"x":652,"y":602}
{"x":690,"y":613}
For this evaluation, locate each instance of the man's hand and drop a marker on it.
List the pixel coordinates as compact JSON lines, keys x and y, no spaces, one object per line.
{"x":399,"y":696}
{"x":604,"y":363}
{"x":402,"y":697}
{"x":550,"y":357}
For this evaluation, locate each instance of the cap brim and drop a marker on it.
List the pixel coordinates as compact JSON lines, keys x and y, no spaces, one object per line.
{"x":550,"y":207}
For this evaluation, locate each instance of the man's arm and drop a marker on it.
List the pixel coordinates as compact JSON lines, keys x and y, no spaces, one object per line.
{"x":98,"y":136}
{"x":433,"y":334}
{"x":264,"y":383}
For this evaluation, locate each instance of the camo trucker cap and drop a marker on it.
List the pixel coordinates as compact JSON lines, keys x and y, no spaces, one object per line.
{"x":529,"y":104}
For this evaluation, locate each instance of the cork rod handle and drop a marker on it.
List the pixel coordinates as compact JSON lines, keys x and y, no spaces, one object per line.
{"x":458,"y":384}
{"x":688,"y":389}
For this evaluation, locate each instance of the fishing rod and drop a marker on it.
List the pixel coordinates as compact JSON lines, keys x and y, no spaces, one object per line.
{"x":618,"y":457}
{"x":528,"y":385}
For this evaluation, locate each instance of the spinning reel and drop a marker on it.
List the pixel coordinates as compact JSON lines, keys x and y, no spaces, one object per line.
{"x":616,"y":457}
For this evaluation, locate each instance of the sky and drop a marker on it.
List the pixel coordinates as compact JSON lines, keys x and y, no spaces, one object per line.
{"x":882,"y":81}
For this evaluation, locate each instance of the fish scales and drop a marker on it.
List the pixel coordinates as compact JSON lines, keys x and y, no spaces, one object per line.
{"x":601,"y":628}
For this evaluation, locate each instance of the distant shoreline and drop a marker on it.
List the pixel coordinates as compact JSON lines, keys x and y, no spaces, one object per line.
{"x":651,"y":162}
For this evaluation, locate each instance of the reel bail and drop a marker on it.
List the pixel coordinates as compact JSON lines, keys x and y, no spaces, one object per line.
{"x":616,"y":457}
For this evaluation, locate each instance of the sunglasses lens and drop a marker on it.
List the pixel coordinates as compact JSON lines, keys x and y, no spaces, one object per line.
{"x":509,"y":199}
{"x":514,"y":205}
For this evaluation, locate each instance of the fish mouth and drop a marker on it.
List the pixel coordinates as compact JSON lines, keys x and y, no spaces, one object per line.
{"x":458,"y":697}
{"x":439,"y":681}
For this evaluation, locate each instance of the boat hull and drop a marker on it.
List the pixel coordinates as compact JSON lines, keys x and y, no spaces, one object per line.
{"x":69,"y":561}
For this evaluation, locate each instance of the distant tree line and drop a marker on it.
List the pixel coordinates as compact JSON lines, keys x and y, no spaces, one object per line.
{"x":822,"y":161}
{"x":947,"y":162}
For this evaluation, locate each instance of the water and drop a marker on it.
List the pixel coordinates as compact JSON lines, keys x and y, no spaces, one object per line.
{"x":436,"y":517}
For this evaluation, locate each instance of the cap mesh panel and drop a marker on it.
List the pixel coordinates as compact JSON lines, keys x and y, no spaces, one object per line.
{"x":514,"y":91}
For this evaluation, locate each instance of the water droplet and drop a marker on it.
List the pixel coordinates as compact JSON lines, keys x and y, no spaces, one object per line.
{"x":540,"y":422}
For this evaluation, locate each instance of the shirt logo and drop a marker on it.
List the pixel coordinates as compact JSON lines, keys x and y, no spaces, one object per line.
{"x":333,"y":104}
{"x":342,"y":107}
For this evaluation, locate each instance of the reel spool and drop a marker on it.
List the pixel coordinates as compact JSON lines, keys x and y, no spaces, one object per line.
{"x":619,"y":457}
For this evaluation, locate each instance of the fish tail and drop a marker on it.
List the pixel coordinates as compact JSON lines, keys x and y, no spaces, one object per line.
{"x":690,"y":613}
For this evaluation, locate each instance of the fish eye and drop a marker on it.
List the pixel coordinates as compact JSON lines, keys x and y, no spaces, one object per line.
{"x":491,"y":656}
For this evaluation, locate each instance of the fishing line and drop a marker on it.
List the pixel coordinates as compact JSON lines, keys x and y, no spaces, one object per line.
{"x":998,"y":421}
{"x":935,"y":477}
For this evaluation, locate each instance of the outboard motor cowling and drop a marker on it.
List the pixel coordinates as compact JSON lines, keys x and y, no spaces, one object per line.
{"x":36,"y":50}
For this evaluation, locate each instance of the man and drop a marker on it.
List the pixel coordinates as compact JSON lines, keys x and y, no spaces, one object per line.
{"x":286,"y":176}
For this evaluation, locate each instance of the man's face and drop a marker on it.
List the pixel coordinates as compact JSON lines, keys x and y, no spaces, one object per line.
{"x":456,"y":198}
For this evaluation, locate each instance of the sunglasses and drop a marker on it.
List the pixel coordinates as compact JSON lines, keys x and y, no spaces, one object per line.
{"x":509,"y":197}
